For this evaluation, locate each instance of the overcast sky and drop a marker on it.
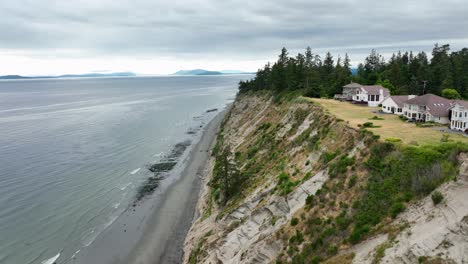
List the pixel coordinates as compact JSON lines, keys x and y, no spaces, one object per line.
{"x":159,"y":37}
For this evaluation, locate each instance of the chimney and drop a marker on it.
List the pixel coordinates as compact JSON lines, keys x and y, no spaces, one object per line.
{"x":411,"y":96}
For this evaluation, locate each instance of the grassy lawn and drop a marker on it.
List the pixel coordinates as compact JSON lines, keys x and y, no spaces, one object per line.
{"x":390,"y":127}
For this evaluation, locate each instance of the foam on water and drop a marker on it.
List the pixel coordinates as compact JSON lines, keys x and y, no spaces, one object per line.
{"x":74,"y":254}
{"x":135,"y":171}
{"x":160,"y":154}
{"x":67,"y":159}
{"x":51,"y":260}
{"x":125,"y":186}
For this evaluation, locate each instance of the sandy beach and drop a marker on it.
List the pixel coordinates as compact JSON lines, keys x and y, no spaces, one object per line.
{"x":163,"y":237}
{"x":155,"y":230}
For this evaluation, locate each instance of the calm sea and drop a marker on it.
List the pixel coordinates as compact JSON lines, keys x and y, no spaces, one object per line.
{"x":73,"y":152}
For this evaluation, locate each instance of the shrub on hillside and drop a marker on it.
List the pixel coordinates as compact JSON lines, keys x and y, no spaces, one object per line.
{"x":437,"y":197}
{"x":396,"y":209}
{"x":294,"y":221}
{"x":393,"y":140}
{"x":328,"y":156}
{"x":376,"y":118}
{"x":352,"y":181}
{"x":397,"y":175}
{"x":368,"y":125}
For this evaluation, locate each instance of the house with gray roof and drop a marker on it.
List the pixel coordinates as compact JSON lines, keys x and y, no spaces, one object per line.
{"x":459,"y":115}
{"x":428,"y":108}
{"x":394,"y":104}
{"x":372,"y":95}
{"x":348,"y":91}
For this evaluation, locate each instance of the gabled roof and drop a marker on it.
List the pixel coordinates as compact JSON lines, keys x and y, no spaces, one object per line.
{"x":463,"y":103}
{"x":400,"y":100}
{"x":375,"y":89}
{"x":435,"y":105}
{"x":352,"y":85}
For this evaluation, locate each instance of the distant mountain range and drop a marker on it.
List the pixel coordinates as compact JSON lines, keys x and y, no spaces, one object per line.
{"x":206,"y":72}
{"x":114,"y":74}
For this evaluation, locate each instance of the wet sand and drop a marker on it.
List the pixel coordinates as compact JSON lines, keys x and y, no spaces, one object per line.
{"x":154,"y":231}
{"x":164,"y":235}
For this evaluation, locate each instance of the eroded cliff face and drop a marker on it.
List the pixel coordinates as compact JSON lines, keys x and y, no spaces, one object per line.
{"x":303,"y":174}
{"x":433,"y":233}
{"x":289,"y":137}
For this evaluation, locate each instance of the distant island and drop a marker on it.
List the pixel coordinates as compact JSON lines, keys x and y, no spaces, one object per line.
{"x":123,"y":74}
{"x":206,"y":72}
{"x":114,"y":74}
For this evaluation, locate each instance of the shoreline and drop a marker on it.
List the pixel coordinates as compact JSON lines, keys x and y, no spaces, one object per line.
{"x":154,"y":231}
{"x":164,"y":235}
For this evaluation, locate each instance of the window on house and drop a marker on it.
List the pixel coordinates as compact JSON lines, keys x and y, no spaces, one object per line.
{"x":377,"y":97}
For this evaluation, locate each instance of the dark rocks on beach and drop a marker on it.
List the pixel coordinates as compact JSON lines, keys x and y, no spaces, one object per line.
{"x":179,"y":149}
{"x":161,"y":169}
{"x":148,"y":188}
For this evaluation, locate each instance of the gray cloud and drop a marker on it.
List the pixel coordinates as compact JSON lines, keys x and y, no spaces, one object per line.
{"x":238,"y":30}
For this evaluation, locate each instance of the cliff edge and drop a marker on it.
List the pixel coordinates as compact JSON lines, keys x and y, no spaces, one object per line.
{"x":313,"y":189}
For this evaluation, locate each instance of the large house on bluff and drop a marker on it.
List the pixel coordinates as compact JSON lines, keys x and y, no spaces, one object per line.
{"x":372,"y":95}
{"x":459,"y":115}
{"x":428,"y":108}
{"x":424,"y":108}
{"x":349,"y":90}
{"x":394,"y":104}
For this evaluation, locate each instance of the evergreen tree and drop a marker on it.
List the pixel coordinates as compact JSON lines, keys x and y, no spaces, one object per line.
{"x":404,"y":73}
{"x":309,"y":58}
{"x":347,"y":64}
{"x":439,"y":68}
{"x":226,"y":176}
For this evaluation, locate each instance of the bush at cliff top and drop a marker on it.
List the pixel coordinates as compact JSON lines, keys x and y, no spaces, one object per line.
{"x":397,"y":175}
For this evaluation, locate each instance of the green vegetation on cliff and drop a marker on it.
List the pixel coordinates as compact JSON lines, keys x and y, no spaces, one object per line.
{"x":270,"y":146}
{"x":391,"y":176}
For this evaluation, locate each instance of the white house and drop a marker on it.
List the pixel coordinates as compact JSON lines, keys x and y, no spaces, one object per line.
{"x":348,"y":91}
{"x":373,"y":95}
{"x":428,"y":108}
{"x":394,"y":104}
{"x":459,"y":115}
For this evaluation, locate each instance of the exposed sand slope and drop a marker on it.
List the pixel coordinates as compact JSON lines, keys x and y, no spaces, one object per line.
{"x":435,"y":231}
{"x":248,"y":232}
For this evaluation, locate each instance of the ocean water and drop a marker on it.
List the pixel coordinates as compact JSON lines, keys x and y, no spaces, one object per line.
{"x":73,"y":153}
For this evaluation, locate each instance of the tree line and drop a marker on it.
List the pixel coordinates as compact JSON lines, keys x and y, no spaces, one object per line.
{"x":403,"y":73}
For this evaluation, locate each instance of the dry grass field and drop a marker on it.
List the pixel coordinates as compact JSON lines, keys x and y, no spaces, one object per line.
{"x":390,"y":127}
